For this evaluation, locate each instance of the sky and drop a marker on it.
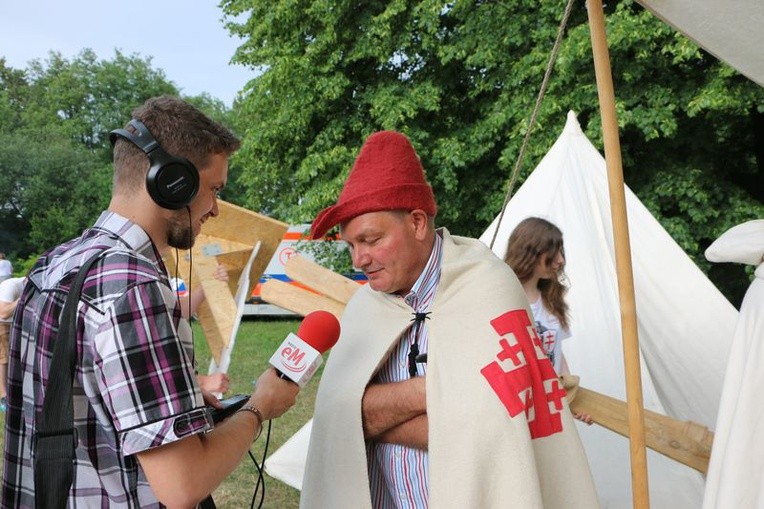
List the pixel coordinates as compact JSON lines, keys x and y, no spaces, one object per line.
{"x":185,"y":38}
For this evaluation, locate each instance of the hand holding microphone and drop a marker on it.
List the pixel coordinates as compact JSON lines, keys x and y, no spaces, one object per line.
{"x":294,"y":363}
{"x":296,"y":360}
{"x":272,"y":396}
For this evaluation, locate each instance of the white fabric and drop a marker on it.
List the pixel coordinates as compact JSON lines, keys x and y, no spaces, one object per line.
{"x":10,"y":290}
{"x":550,"y":332}
{"x":288,"y":462}
{"x":685,"y":324}
{"x":499,"y":430}
{"x":736,"y":470}
{"x":743,"y":243}
{"x":730,"y":29}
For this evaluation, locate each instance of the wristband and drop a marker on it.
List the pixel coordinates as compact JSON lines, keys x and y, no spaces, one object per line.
{"x":253,"y":409}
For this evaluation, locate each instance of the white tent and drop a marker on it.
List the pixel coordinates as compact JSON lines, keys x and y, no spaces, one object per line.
{"x":288,"y":462}
{"x":730,"y":30}
{"x":685,"y":323}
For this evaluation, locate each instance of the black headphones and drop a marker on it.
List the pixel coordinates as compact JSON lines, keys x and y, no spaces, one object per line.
{"x":172,"y":181}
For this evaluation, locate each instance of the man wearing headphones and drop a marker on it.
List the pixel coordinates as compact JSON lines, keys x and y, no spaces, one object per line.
{"x":143,"y":435}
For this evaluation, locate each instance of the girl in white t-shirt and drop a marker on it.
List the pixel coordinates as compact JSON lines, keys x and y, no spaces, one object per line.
{"x":536,"y":254}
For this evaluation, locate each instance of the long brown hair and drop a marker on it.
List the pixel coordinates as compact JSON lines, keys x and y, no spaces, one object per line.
{"x":530,"y":240}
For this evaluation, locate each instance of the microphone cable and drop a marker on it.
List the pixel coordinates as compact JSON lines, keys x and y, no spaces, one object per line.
{"x":190,"y":272}
{"x":190,"y":258}
{"x":260,"y":470}
{"x":177,"y":282}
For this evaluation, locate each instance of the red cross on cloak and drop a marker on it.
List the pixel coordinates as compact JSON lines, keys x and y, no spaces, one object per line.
{"x":531,"y":383}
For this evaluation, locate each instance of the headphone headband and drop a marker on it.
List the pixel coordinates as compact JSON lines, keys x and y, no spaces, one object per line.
{"x":142,"y":137}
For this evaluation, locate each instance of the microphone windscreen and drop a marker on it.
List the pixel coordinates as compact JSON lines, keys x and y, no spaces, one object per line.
{"x":320,"y":329}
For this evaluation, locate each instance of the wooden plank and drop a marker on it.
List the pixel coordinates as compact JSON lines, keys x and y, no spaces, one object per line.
{"x":240,"y":225}
{"x":299,"y":300}
{"x":240,"y":297}
{"x":227,"y":239}
{"x":684,"y":441}
{"x":217,"y":313}
{"x":321,"y":279}
{"x":210,"y":245}
{"x":233,"y":263}
{"x":629,"y":331}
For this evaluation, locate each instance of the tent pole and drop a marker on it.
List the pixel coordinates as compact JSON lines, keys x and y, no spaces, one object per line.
{"x":622,"y":254}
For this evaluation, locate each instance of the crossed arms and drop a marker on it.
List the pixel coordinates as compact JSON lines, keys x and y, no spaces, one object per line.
{"x":396,"y":413}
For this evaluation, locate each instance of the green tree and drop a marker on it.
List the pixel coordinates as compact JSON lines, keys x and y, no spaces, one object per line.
{"x":55,"y":157}
{"x":461,"y":78}
{"x":86,"y":97}
{"x":58,"y":187}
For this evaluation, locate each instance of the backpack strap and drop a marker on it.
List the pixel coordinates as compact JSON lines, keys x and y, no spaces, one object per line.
{"x":55,"y":439}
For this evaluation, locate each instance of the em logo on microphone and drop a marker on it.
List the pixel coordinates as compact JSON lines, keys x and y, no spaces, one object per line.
{"x":293,"y":359}
{"x":296,"y":359}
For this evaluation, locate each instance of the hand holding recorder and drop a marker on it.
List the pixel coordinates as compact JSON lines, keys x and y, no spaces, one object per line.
{"x":296,"y":360}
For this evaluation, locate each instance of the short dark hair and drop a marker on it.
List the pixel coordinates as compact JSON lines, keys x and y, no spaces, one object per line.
{"x":181,"y":129}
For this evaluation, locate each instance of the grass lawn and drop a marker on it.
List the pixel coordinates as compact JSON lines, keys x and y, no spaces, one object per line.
{"x":255,"y":343}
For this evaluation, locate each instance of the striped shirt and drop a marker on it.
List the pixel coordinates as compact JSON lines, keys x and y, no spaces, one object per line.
{"x":398,"y":475}
{"x":135,"y":386}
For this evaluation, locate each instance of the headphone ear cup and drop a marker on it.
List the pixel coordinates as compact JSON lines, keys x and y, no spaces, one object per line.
{"x":172,"y":182}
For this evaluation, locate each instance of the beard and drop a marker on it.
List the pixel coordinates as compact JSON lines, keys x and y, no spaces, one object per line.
{"x":180,"y":234}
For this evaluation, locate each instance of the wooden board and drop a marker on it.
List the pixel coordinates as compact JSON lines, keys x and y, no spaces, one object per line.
{"x":234,"y":263}
{"x":321,"y":279}
{"x":217,"y":313}
{"x":684,"y":441}
{"x":227,"y":239}
{"x":243,"y":226}
{"x":299,"y":300}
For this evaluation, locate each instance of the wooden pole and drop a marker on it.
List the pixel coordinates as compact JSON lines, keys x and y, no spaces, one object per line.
{"x":641,"y":498}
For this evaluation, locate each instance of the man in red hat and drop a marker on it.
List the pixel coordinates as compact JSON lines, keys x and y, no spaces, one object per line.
{"x":438,"y":393}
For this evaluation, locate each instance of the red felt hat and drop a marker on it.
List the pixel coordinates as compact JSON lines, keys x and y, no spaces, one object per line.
{"x":386,"y":175}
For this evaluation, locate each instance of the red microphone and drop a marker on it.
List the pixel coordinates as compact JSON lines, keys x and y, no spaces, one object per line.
{"x":320,"y":329}
{"x":299,"y":355}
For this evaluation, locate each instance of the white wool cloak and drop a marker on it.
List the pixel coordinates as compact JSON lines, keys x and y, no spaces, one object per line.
{"x":479,"y":455}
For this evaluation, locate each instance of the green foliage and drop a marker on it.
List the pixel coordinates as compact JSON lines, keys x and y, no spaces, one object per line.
{"x":55,"y":158}
{"x":86,"y":97}
{"x":461,"y":78}
{"x":22,"y":267}
{"x":333,"y":254}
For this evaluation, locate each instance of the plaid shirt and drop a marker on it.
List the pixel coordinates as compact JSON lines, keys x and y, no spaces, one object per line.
{"x":399,"y":475}
{"x":135,"y":385}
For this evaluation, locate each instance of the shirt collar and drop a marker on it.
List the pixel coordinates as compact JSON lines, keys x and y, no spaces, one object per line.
{"x":129,"y":233}
{"x":430,"y":272}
